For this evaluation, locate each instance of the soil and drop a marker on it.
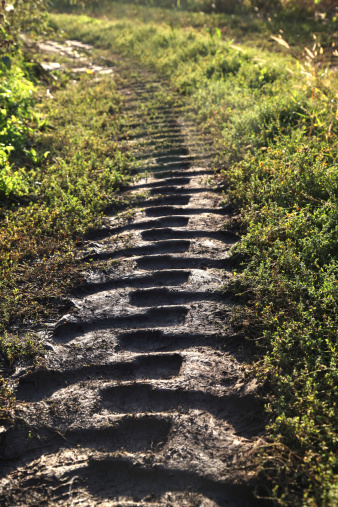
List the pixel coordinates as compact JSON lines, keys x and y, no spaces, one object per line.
{"x":144,"y":399}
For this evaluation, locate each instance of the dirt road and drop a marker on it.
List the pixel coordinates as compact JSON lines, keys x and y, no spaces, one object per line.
{"x":143,"y":400}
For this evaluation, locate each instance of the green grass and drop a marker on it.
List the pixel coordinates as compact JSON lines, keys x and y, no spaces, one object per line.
{"x":251,"y":27}
{"x":60,"y":168}
{"x":274,"y":124}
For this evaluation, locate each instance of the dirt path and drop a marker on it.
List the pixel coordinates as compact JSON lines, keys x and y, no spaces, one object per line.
{"x":144,"y":399}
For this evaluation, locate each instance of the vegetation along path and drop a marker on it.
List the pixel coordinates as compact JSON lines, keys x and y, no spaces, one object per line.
{"x":143,"y":397}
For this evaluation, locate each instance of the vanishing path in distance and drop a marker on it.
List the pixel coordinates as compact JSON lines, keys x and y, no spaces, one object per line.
{"x":144,"y":400}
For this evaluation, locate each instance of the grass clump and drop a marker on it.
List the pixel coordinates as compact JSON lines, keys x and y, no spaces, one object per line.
{"x":14,"y":348}
{"x":289,"y":287}
{"x":274,"y":124}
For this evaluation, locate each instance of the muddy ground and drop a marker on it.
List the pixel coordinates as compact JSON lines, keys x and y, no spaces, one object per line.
{"x":143,"y":399}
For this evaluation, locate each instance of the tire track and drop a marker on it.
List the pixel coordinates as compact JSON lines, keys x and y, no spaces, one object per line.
{"x":144,"y":400}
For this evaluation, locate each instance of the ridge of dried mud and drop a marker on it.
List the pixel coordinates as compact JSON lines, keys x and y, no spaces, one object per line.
{"x":143,"y":399}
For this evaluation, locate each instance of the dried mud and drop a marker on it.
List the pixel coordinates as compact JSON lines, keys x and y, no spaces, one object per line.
{"x":144,"y":400}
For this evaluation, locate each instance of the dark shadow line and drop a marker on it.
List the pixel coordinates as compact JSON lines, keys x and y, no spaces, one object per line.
{"x":165,"y":297}
{"x":157,"y":339}
{"x":157,"y":247}
{"x":112,"y":477}
{"x":155,"y":262}
{"x":173,"y":190}
{"x":153,"y":317}
{"x":179,"y":151}
{"x":109,"y":477}
{"x":146,"y":224}
{"x":164,"y":183}
{"x":153,"y":168}
{"x":132,"y":434}
{"x":43,"y":383}
{"x":174,"y":200}
{"x":183,"y":173}
{"x":168,"y":234}
{"x":243,"y":412}
{"x":158,"y":211}
{"x":168,"y":278}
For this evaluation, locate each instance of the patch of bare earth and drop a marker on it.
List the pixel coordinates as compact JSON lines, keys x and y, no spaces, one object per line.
{"x":144,"y":398}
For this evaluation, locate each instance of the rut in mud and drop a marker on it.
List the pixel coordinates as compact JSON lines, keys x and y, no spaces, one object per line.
{"x":144,"y":399}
